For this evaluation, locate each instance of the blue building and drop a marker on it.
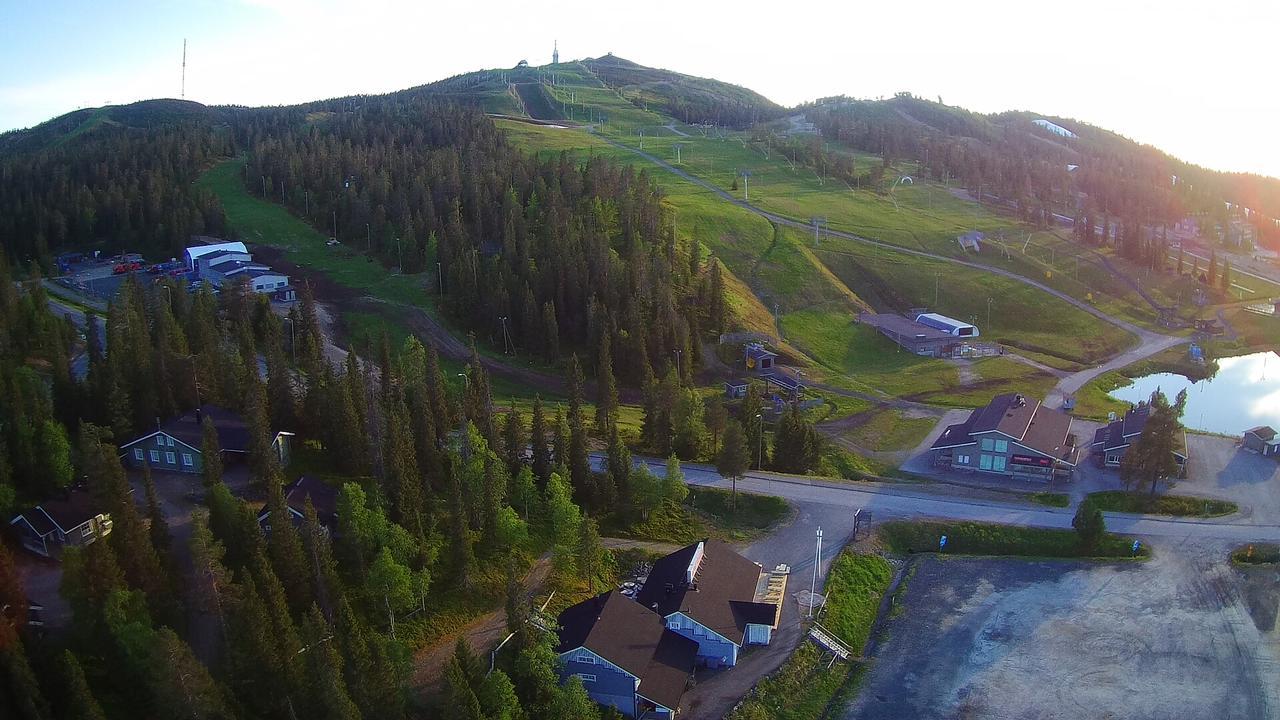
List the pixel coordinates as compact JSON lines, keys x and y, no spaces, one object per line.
{"x":177,"y":445}
{"x":709,"y":594}
{"x":625,"y":657}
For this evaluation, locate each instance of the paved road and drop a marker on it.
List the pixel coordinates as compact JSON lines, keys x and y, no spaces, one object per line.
{"x":889,"y":501}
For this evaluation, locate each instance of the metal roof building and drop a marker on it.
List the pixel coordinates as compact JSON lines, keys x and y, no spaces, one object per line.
{"x":950,"y":326}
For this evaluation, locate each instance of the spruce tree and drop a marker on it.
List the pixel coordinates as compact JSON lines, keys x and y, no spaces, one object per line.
{"x":210,"y":454}
{"x":579,"y":465}
{"x":285,"y":548}
{"x":326,"y":688}
{"x":590,"y":555}
{"x":620,"y":470}
{"x":77,"y":700}
{"x":158,"y":528}
{"x":606,"y":390}
{"x":539,"y":443}
{"x":734,"y":458}
{"x":459,"y":537}
{"x":513,"y":441}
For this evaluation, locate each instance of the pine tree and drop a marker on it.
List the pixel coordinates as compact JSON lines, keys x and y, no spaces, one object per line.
{"x":210,"y":454}
{"x":461,"y":702}
{"x":498,"y":698}
{"x":401,"y":480}
{"x":560,"y":439}
{"x":158,"y":529}
{"x":797,"y":448}
{"x":436,"y":389}
{"x":319,"y":554}
{"x":538,"y":441}
{"x":516,"y":612}
{"x":716,"y":312}
{"x":180,"y":685}
{"x":78,"y":702}
{"x":690,"y":430}
{"x":20,"y":691}
{"x":514,"y":441}
{"x":372,"y":673}
{"x":1225,"y":282}
{"x":1089,"y":524}
{"x":579,"y":466}
{"x":734,"y":458}
{"x":285,"y":548}
{"x":326,"y":694}
{"x":459,"y":536}
{"x":1211,"y":274}
{"x":590,"y":555}
{"x":620,"y":470}
{"x":606,"y":391}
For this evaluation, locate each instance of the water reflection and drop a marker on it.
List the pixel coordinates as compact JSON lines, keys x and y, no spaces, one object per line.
{"x":1244,"y":393}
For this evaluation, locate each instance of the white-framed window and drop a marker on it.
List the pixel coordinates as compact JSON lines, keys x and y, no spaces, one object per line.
{"x":984,"y":462}
{"x":170,"y":458}
{"x":988,"y":444}
{"x":587,"y":659}
{"x":155,"y":456}
{"x":87,"y":530}
{"x":169,"y":441}
{"x":674,"y":623}
{"x":962,"y":459}
{"x":586,"y":677}
{"x":1002,"y":446}
{"x":159,"y":441}
{"x":139,"y":455}
{"x":187,"y":461}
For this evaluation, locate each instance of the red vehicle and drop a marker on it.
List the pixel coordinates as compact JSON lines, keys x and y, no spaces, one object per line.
{"x":128,"y":267}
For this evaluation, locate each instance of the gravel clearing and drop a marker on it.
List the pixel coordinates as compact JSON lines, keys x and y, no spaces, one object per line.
{"x":1181,"y":636}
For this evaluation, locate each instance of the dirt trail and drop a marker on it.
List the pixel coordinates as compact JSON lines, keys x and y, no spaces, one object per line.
{"x":482,"y":634}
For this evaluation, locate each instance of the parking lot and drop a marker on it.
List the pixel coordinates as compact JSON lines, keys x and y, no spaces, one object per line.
{"x":1183,"y":636}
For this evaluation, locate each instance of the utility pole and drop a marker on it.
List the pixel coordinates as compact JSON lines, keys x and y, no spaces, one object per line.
{"x":400,"y":253}
{"x":439,"y":279}
{"x":935,"y":291}
{"x":183,"y":96}
{"x":988,"y":314}
{"x":813,"y":584}
{"x":817,"y":222}
{"x":746,"y":177}
{"x":293,"y":347}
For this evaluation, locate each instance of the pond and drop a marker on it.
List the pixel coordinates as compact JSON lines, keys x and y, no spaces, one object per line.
{"x":1243,"y":394}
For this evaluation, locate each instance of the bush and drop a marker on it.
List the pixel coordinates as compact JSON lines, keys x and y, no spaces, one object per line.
{"x":969,"y":538}
{"x":1177,"y":505}
{"x":804,"y":686}
{"x":1256,"y":554}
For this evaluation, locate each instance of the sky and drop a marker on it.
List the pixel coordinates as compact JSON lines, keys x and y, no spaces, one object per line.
{"x":1191,"y":77}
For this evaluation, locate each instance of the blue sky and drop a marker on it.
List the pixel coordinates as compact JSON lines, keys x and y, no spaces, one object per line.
{"x":1188,"y":76}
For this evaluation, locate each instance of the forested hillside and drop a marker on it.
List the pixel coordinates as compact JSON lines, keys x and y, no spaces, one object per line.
{"x":1097,"y":179}
{"x":114,"y":179}
{"x":568,"y":253}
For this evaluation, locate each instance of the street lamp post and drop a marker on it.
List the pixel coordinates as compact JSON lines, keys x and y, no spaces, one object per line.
{"x":988,"y":314}
{"x":760,"y":443}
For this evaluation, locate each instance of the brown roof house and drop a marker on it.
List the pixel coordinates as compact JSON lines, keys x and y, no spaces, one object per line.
{"x":73,"y":520}
{"x":710,"y":594}
{"x":1012,"y":436}
{"x":1262,"y":440}
{"x":625,"y":656}
{"x":1112,"y":440}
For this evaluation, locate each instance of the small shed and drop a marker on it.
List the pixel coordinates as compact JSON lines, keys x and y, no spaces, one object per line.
{"x":971,"y":241}
{"x":758,"y":358}
{"x":735,"y":389}
{"x":1262,"y":440}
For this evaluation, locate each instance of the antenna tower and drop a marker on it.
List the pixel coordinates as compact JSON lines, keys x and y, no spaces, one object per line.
{"x":184,"y":69}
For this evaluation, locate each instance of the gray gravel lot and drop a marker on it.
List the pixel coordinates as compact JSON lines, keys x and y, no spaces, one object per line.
{"x":1178,"y":637}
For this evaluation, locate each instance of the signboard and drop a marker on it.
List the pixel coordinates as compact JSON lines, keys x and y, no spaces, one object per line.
{"x":942,"y":543}
{"x":1031,"y":460}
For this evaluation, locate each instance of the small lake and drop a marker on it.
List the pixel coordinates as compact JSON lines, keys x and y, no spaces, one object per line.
{"x":1243,"y":394}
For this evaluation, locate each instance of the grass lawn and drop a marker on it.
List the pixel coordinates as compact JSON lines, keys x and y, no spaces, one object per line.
{"x":890,"y":429}
{"x":260,"y":222}
{"x":970,"y":538}
{"x":1059,"y":500}
{"x":1176,"y":505}
{"x":706,"y":513}
{"x":804,"y":686}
